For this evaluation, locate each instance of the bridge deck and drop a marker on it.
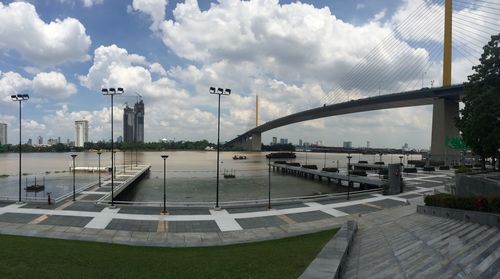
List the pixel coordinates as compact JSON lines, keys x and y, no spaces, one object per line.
{"x":329,"y":175}
{"x":122,"y":181}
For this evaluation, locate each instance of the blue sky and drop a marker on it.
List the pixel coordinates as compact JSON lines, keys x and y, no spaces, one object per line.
{"x":289,"y":53}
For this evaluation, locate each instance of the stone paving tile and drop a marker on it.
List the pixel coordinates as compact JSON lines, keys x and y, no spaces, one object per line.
{"x":103,"y":189}
{"x":23,"y":218}
{"x":133,"y":225}
{"x":91,"y":197}
{"x":192,"y":226}
{"x":387,"y":203}
{"x":69,"y":221}
{"x":246,"y":209}
{"x":187,"y":211}
{"x":309,"y":216}
{"x":5,"y":203}
{"x":39,"y":205}
{"x":410,"y":196}
{"x":358,"y":208}
{"x":260,"y":222}
{"x":150,"y":210}
{"x":288,"y":205}
{"x":342,"y":199}
{"x":85,"y":206}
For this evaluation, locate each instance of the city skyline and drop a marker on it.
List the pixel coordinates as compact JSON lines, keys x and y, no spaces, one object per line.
{"x":158,"y":50}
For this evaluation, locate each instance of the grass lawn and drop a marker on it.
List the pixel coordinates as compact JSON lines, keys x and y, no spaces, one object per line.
{"x":28,"y":257}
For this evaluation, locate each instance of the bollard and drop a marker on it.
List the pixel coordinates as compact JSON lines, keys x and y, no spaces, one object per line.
{"x":48,"y":196}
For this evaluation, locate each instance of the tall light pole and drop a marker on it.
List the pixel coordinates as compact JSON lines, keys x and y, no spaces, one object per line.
{"x":114,"y":159}
{"x":19,"y":98}
{"x":348,"y":175}
{"x":401,"y":160}
{"x":219,"y":92}
{"x":164,"y":183}
{"x":99,"y":170}
{"x":269,"y":188}
{"x":73,"y":156}
{"x":324,"y":162}
{"x":112,"y":92}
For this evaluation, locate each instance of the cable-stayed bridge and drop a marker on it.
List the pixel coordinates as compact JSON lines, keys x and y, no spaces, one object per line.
{"x":468,"y":25}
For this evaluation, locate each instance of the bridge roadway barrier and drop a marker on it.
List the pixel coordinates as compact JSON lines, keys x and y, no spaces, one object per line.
{"x":300,"y":171}
{"x":121,"y":185}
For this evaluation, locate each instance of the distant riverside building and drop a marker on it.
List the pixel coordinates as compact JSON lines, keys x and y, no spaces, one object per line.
{"x":3,"y":133}
{"x":30,"y":142}
{"x":119,"y":139}
{"x":347,"y":144}
{"x":81,"y":132}
{"x":300,"y":142}
{"x":275,"y":140}
{"x":51,"y":141}
{"x":367,"y":144}
{"x":40,"y":140}
{"x":283,"y":141}
{"x":133,"y":123}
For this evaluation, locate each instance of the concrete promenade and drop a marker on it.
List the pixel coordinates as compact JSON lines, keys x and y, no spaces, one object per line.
{"x":135,"y":225}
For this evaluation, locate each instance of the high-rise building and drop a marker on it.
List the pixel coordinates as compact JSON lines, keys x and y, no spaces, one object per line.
{"x":128,"y":124}
{"x":51,"y":141}
{"x":119,"y":139}
{"x":283,"y":141}
{"x":139,"y":121}
{"x":367,"y":144}
{"x":133,"y":123}
{"x":3,"y":133}
{"x":81,"y":132}
{"x":40,"y":140}
{"x":30,"y":142}
{"x":347,"y":144}
{"x":300,"y":142}
{"x":275,"y":140}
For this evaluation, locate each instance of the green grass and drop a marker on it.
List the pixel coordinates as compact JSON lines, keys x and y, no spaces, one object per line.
{"x":27,"y":257}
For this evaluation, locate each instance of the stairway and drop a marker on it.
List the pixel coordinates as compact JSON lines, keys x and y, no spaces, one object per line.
{"x":400,"y":243}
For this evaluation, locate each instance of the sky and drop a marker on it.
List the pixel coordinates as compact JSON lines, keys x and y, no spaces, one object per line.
{"x":293,"y":55}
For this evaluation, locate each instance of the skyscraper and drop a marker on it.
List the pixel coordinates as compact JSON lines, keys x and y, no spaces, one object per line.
{"x":3,"y":133}
{"x":82,"y":132}
{"x":133,"y":123}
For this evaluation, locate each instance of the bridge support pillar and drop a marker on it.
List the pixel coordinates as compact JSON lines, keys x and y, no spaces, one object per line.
{"x":252,"y":142}
{"x":444,"y":113}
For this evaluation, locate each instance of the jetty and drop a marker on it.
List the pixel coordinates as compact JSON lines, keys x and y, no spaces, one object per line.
{"x":364,"y":182}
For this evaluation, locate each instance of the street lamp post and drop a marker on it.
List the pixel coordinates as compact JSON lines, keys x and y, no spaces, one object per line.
{"x":164,"y":183}
{"x":99,"y":167}
{"x":401,"y":160}
{"x":219,"y":92}
{"x":112,"y":92}
{"x":269,"y":188}
{"x":348,"y":175}
{"x":73,"y":156}
{"x":19,"y":98}
{"x":124,"y":162}
{"x":114,"y":159}
{"x":324,"y":161}
{"x":380,"y":156}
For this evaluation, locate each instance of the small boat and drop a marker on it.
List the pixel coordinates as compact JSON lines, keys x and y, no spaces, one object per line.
{"x":281,"y":155}
{"x":239,"y":157}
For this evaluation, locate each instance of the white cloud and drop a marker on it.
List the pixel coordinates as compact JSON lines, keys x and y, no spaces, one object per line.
{"x":53,"y":85}
{"x":42,"y":43}
{"x":12,"y":83}
{"x":90,"y":3}
{"x":154,"y":8}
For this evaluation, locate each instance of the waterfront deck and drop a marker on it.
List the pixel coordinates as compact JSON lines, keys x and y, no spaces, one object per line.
{"x":329,"y":176}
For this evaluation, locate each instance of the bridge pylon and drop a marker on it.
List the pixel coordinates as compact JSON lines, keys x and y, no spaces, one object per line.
{"x":445,"y":111}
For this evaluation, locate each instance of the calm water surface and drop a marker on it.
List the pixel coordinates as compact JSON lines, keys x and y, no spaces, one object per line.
{"x":191,"y":175}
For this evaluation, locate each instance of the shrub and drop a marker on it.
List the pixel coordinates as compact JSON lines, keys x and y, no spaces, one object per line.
{"x":463,"y":169}
{"x":475,"y":203}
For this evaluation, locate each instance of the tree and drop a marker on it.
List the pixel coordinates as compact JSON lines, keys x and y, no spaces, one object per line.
{"x":480,"y":121}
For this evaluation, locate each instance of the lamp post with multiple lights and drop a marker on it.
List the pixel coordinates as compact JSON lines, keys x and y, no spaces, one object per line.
{"x":219,"y":92}
{"x":112,"y":92}
{"x":164,"y":183}
{"x":348,"y":175}
{"x":73,"y":156}
{"x":19,"y":98}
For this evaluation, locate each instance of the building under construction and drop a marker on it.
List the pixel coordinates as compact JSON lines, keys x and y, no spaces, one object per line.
{"x":133,"y":123}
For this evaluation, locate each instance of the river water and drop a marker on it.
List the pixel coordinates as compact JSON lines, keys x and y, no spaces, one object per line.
{"x":191,"y":175}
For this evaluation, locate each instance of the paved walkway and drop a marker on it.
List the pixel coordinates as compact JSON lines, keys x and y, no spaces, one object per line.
{"x":86,"y":220}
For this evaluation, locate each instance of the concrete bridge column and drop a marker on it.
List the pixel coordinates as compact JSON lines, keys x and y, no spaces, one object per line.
{"x":444,"y":113}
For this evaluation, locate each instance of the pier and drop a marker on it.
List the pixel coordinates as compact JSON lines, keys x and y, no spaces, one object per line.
{"x":364,"y":182}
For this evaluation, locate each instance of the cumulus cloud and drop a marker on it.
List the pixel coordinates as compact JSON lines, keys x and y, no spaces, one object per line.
{"x":53,"y":85}
{"x":90,"y":3}
{"x":49,"y":85}
{"x":154,"y":8}
{"x":42,"y":43}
